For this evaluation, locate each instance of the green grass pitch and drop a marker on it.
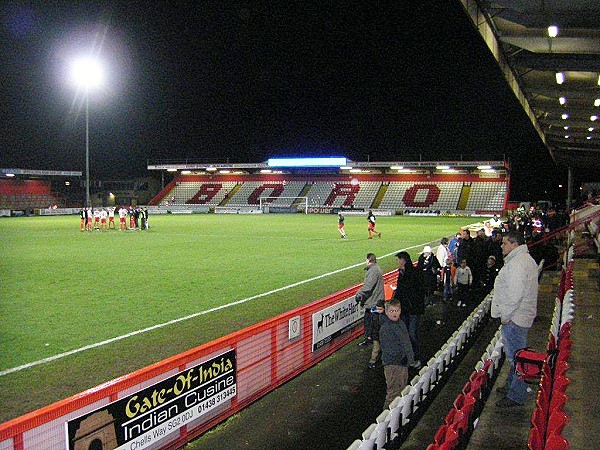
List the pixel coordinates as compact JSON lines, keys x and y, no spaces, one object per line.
{"x":63,"y":289}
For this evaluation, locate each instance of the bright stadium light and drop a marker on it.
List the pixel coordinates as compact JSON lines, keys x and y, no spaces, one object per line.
{"x":593,"y":118}
{"x":307,"y":162}
{"x":560,"y":77}
{"x":484,"y":167}
{"x":597,"y":102}
{"x":565,"y":116}
{"x":87,"y":74}
{"x":442,"y":167}
{"x":552,"y":31}
{"x":562,"y":100}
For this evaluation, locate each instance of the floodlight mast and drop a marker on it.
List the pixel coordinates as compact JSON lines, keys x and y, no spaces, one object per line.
{"x":87,"y":74}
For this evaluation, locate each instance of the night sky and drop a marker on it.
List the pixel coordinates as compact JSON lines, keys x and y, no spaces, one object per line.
{"x":244,"y":81}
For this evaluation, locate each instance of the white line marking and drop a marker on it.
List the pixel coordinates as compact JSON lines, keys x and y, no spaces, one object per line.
{"x":191,"y":316}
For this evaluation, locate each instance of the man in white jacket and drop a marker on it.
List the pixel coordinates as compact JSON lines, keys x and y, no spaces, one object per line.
{"x":515,"y":303}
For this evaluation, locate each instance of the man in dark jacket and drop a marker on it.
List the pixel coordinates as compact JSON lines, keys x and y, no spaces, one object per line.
{"x":409,"y":291}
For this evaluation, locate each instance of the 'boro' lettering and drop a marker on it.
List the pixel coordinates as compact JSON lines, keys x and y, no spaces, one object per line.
{"x":343,"y":190}
{"x":205,"y":193}
{"x":421,"y":195}
{"x":277,"y":189}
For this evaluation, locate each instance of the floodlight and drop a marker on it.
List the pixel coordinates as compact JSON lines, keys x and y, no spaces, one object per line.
{"x":346,"y":168}
{"x":593,"y":118}
{"x":591,"y":129}
{"x":186,"y":172}
{"x":562,"y":100}
{"x":442,"y":167}
{"x":307,"y":162}
{"x":552,"y":31}
{"x":597,"y":102}
{"x":566,"y":128}
{"x":10,"y":175}
{"x":211,"y":169}
{"x":484,"y":167}
{"x":397,"y":167}
{"x":171,"y":170}
{"x":588,"y":138}
{"x":567,"y":136}
{"x":565,"y":116}
{"x":560,"y":77}
{"x":87,"y":72}
{"x":265,"y":171}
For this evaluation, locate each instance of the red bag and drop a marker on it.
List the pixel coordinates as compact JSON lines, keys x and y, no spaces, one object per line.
{"x":529,"y":363}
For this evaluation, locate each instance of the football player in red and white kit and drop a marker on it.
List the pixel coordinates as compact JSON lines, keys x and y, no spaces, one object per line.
{"x":89,"y":219}
{"x":122,"y":219}
{"x":103,"y":217}
{"x":96,"y":219}
{"x":111,"y":217}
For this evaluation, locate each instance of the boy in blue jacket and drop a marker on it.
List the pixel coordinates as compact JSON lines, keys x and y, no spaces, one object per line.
{"x":396,"y":350}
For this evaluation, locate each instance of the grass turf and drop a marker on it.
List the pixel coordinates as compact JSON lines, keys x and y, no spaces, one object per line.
{"x":63,"y":289}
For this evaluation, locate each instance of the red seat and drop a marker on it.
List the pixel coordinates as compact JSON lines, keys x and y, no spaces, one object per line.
{"x":536,"y":440}
{"x":558,"y":401}
{"x":440,"y":435}
{"x":466,"y":388}
{"x":461,"y":422}
{"x":561,"y":367}
{"x":556,"y":442}
{"x":450,"y":416}
{"x":432,"y":447}
{"x":557,"y":421}
{"x":560,"y":384}
{"x":538,"y":420}
{"x":452,"y":438}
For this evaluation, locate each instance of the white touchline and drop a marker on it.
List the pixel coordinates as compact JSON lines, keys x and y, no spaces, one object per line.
{"x":191,"y":316}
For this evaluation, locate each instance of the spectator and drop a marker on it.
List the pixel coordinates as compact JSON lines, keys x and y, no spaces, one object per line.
{"x":453,"y":245}
{"x":448,"y":272}
{"x":369,"y":294}
{"x":443,"y":252}
{"x":377,"y":311}
{"x":489,"y":276}
{"x":515,"y":303}
{"x":396,"y":351}
{"x":463,"y":280}
{"x":410,"y":294}
{"x":479,"y":256}
{"x":465,"y":248}
{"x":429,"y":267}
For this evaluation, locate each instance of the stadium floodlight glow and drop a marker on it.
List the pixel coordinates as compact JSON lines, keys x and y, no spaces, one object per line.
{"x":597,"y":102}
{"x":562,"y":100}
{"x":591,"y":129}
{"x":186,"y":172}
{"x":346,"y":168}
{"x":171,"y":170}
{"x":397,"y":167}
{"x":560,"y":77}
{"x":484,"y":167}
{"x":552,"y":31}
{"x":265,"y":171}
{"x":567,"y":136}
{"x":449,"y":170}
{"x":566,"y":128}
{"x":565,"y":116}
{"x":87,"y":74}
{"x":598,"y":80}
{"x":442,"y":167}
{"x":10,"y":175}
{"x":404,"y":171}
{"x":211,"y":169}
{"x":588,"y":138}
{"x":333,"y":161}
{"x":355,"y":171}
{"x":593,"y":118}
{"x":225,"y":171}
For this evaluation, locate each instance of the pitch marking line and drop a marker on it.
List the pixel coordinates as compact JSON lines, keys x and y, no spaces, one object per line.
{"x":191,"y":316}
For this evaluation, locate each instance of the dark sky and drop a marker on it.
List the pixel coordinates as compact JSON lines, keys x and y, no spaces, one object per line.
{"x":245,"y":81}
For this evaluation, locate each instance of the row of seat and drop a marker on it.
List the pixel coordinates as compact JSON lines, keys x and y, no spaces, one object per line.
{"x":460,"y":420}
{"x":395,"y":423}
{"x":549,"y":418}
{"x":361,"y":194}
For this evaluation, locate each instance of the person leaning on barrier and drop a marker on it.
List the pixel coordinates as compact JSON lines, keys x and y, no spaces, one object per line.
{"x":370,"y":294}
{"x":515,"y":303}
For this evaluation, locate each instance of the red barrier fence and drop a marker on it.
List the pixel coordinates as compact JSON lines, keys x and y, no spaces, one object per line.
{"x":171,"y":402}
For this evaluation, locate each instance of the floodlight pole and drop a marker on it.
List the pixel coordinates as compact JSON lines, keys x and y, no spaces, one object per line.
{"x":87,"y":150}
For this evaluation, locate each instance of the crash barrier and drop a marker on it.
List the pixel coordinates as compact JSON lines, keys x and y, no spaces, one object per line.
{"x":394,"y":425}
{"x":167,"y":404}
{"x":462,"y":418}
{"x":549,"y":418}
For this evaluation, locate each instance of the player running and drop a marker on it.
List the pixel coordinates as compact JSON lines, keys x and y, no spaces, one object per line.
{"x":341,"y":229}
{"x":371,"y":219}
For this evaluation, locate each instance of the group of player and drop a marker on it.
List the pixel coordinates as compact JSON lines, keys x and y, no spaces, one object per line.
{"x":103,"y":219}
{"x":371,"y":227}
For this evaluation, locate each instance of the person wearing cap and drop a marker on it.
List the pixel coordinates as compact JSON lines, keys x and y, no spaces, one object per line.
{"x":429,"y":268}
